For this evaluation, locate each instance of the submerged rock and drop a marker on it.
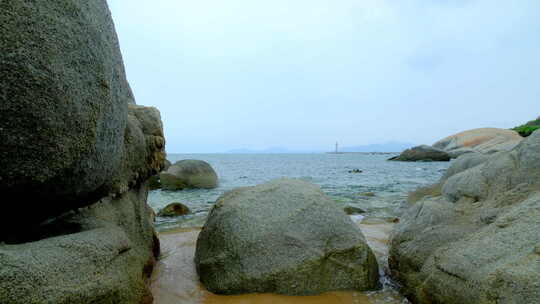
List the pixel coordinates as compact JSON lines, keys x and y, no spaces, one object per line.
{"x":475,"y":243}
{"x":174,"y":209}
{"x":284,"y":237}
{"x":353,"y":210}
{"x":422,"y":153}
{"x":367,"y":194}
{"x":189,"y":173}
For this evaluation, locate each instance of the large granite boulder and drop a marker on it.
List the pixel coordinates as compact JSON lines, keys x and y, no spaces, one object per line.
{"x":75,"y":156}
{"x":189,"y":173}
{"x":483,"y":140}
{"x":464,"y":162}
{"x":422,"y":153}
{"x":64,"y":106}
{"x":284,"y":237}
{"x":103,"y":253}
{"x":478,"y":242}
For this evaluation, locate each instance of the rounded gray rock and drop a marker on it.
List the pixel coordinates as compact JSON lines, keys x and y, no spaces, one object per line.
{"x":174,"y":209}
{"x":63,"y":104}
{"x":189,"y":173}
{"x":286,"y":237}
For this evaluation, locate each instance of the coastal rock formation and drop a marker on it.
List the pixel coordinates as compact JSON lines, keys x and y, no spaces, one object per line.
{"x":464,"y":162}
{"x":189,"y":173}
{"x":103,"y":253}
{"x":478,"y":241}
{"x":286,"y":237}
{"x":75,"y":157}
{"x":154,"y":182}
{"x":63,"y":103}
{"x":174,"y":209}
{"x":422,"y":153}
{"x":483,"y":140}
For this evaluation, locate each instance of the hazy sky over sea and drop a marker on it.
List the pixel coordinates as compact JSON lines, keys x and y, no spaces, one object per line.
{"x":304,"y":74}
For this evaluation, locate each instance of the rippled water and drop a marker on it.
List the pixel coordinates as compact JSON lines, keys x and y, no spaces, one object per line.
{"x":389,"y":181}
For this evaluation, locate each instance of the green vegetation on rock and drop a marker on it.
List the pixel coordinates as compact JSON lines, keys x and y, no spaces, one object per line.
{"x":528,"y":128}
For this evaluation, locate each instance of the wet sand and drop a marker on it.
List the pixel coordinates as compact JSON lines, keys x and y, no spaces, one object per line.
{"x":175,"y":280}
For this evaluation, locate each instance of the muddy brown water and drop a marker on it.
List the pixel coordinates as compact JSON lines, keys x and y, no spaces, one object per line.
{"x":175,"y":280}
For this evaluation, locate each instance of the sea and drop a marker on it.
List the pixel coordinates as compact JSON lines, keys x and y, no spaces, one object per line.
{"x":379,"y":187}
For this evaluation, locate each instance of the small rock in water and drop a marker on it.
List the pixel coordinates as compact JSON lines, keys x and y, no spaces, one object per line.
{"x":368,"y":194}
{"x":353,"y":210}
{"x":355,"y":171}
{"x":189,"y":174}
{"x":174,"y":209}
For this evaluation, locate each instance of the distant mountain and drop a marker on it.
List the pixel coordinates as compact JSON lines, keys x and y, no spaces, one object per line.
{"x":275,"y":150}
{"x":386,"y":147}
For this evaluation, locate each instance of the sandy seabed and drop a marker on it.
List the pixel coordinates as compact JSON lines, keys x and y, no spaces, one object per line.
{"x":175,"y":280}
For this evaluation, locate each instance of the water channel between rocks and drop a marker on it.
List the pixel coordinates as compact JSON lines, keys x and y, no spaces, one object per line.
{"x":175,"y":279}
{"x":379,"y":190}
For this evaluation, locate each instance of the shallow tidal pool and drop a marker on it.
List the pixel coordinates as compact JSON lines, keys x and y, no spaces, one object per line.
{"x":175,"y":280}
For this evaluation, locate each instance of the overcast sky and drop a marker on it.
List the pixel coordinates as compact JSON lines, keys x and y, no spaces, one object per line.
{"x":304,"y":74}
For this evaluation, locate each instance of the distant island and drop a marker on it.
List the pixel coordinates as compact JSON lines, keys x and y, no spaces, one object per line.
{"x":384,"y":148}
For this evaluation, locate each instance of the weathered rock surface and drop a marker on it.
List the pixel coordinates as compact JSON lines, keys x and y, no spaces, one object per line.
{"x":63,"y":103}
{"x":476,"y":243}
{"x":284,"y":237}
{"x":189,"y":173}
{"x":75,"y":156}
{"x":464,"y":162}
{"x":174,"y":209}
{"x":144,"y":149}
{"x":102,"y":254}
{"x":65,"y":130}
{"x":154,"y":182}
{"x":483,"y":140}
{"x":422,"y":153}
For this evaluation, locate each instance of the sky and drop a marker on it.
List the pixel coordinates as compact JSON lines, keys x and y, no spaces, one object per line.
{"x":303,"y":74}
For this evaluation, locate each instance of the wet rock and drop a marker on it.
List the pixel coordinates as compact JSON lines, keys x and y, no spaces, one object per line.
{"x":187,"y":174}
{"x":174,"y":209}
{"x":355,"y":171}
{"x":473,"y":244}
{"x":284,"y":237}
{"x":422,"y":153}
{"x":367,"y":194}
{"x":350,"y":210}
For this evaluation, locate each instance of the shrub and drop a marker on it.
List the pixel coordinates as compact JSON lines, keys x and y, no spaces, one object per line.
{"x":528,"y":128}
